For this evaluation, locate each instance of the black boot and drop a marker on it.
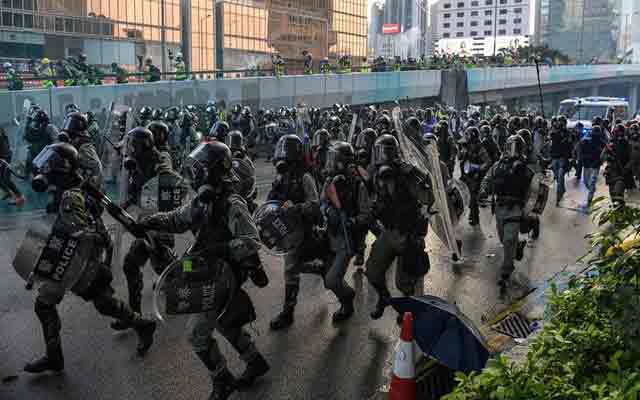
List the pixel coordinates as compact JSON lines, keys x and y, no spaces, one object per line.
{"x":257,"y":367}
{"x":222,"y":385}
{"x":285,"y":318}
{"x":520,"y":250}
{"x":383,"y":301}
{"x":346,"y":309}
{"x":135,"y":285}
{"x":52,"y":361}
{"x":535,"y":229}
{"x":50,"y":321}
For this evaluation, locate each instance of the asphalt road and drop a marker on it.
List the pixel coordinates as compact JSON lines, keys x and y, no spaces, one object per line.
{"x":312,"y":360}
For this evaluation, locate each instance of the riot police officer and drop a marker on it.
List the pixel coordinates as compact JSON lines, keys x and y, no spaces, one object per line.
{"x":13,"y":78}
{"x":77,"y":224}
{"x":74,"y":131}
{"x":120,"y":73}
{"x":319,"y":149}
{"x":617,"y":173}
{"x":39,"y":133}
{"x":219,"y":131}
{"x":297,"y":190}
{"x":447,"y":148}
{"x":401,"y":192}
{"x":345,"y":205}
{"x":509,"y":181}
{"x":474,"y":163}
{"x":224,"y":230}
{"x":244,"y":169}
{"x":146,"y":158}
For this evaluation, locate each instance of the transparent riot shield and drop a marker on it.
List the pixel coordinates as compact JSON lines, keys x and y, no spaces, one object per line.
{"x":19,"y":146}
{"x":301,"y":113}
{"x":194,"y":283}
{"x":352,"y":129}
{"x":280,"y":232}
{"x":428,"y":162}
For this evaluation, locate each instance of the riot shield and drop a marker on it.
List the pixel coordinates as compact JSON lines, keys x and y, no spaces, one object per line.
{"x":352,"y":128}
{"x":119,"y":122}
{"x":193,"y":284}
{"x":428,"y":162}
{"x":537,"y":196}
{"x":51,"y":252}
{"x":246,"y":173}
{"x":300,"y":125}
{"x":280,"y":232}
{"x":104,"y":138}
{"x":18,"y":143}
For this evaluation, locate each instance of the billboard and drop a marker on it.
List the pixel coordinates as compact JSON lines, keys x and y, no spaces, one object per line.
{"x":390,"y":29}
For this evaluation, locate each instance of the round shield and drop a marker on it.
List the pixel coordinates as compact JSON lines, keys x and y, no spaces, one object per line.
{"x":246,"y":173}
{"x":193,"y":284}
{"x":280,"y":232}
{"x":537,"y":196}
{"x":459,"y":198}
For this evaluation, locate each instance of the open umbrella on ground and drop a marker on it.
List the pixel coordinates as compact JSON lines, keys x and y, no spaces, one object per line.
{"x":444,"y":333}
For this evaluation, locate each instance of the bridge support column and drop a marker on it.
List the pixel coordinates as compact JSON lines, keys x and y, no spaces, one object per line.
{"x":633,"y":98}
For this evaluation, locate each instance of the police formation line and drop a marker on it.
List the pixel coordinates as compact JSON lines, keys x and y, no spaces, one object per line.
{"x":340,"y":175}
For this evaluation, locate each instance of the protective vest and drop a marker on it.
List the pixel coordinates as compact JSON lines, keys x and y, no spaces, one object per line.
{"x":511,"y":180}
{"x":288,"y":187}
{"x":401,"y":211}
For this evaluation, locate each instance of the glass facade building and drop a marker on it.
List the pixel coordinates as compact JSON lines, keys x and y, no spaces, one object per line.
{"x":583,"y":29}
{"x":212,"y":34}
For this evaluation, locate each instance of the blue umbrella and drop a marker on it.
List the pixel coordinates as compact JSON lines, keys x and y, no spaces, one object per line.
{"x":444,"y":333}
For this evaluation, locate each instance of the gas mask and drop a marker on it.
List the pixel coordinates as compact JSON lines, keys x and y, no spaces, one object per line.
{"x":385,"y":181}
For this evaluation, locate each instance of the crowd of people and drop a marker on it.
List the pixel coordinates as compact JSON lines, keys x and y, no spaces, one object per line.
{"x":341,"y":175}
{"x":75,"y":71}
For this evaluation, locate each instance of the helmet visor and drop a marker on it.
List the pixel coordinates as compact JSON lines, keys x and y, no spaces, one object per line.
{"x":384,"y":154}
{"x":513,"y":149}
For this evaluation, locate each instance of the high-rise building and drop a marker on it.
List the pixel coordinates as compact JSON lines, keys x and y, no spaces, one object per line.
{"x":461,"y":24}
{"x":106,"y":30}
{"x":399,"y":28}
{"x":211,"y":34}
{"x":584,"y":29}
{"x":541,"y":30}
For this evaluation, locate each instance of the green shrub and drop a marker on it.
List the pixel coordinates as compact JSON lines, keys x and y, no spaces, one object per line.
{"x":590,"y":347}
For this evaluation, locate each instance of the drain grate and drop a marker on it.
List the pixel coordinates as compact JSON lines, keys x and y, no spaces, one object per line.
{"x":435,"y":382}
{"x":515,"y":326}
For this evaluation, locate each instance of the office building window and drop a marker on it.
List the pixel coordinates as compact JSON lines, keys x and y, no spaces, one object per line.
{"x":460,"y":15}
{"x":475,"y":3}
{"x":517,"y":20}
{"x":446,"y":25}
{"x":460,"y":5}
{"x":446,"y":5}
{"x":488,"y":13}
{"x":446,"y":15}
{"x":474,"y":33}
{"x":488,"y":2}
{"x":517,"y":1}
{"x":517,"y":31}
{"x":487,"y":22}
{"x":502,"y":32}
{"x":517,"y":10}
{"x":502,"y":22}
{"x":474,"y":13}
{"x":459,"y":34}
{"x":460,"y":24}
{"x":503,"y":11}
{"x":503,"y":1}
{"x":474,"y":23}
{"x":488,"y":33}
{"x":446,"y":35}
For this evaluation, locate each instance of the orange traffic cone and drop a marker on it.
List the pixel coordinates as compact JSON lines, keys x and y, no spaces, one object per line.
{"x":403,"y":381}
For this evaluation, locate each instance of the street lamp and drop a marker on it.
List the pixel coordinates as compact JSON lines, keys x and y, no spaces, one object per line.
{"x":201,"y":34}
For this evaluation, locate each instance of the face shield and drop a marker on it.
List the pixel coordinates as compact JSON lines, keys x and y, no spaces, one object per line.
{"x":334,"y":164}
{"x":194,"y":168}
{"x":48,"y":167}
{"x":384,"y":154}
{"x":289,"y":150}
{"x":385,"y":181}
{"x":512,"y":149}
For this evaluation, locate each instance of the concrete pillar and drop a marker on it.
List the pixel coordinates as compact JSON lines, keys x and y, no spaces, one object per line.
{"x":593,"y":91}
{"x":633,"y":98}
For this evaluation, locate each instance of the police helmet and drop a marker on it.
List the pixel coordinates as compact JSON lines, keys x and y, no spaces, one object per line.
{"x":386,"y":150}
{"x":235,"y":141}
{"x":219,"y":131}
{"x":339,"y":157}
{"x":289,"y":148}
{"x":321,"y":138}
{"x":160,"y":132}
{"x":74,"y":125}
{"x":57,"y":165}
{"x":209,"y":164}
{"x":145,"y":113}
{"x":139,"y":142}
{"x":366,"y":139}
{"x":514,"y":147}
